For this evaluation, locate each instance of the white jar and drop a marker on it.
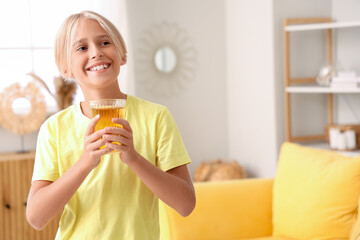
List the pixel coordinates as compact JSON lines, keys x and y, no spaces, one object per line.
{"x":350,"y":139}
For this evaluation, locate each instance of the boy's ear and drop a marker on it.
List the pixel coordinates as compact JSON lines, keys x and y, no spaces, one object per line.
{"x":67,"y":74}
{"x":123,"y":61}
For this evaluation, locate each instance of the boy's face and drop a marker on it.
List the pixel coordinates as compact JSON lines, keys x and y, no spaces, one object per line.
{"x":95,"y":62}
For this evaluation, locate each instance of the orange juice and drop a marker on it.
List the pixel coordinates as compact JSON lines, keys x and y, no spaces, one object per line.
{"x":107,"y":109}
{"x":107,"y":113}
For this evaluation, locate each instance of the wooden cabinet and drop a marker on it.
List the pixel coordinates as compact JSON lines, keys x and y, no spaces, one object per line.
{"x":15,"y":181}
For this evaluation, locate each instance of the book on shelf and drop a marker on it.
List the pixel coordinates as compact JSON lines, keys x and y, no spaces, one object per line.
{"x":345,"y":81}
{"x":344,"y":85}
{"x":346,"y":74}
{"x":338,"y":79}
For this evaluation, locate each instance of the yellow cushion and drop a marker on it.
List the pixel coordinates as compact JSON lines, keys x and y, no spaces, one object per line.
{"x":315,"y":193}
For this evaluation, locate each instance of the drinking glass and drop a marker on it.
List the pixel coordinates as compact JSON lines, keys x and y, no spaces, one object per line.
{"x":108,"y":109}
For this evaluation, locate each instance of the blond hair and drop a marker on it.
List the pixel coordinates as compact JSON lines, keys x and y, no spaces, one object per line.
{"x":65,"y":34}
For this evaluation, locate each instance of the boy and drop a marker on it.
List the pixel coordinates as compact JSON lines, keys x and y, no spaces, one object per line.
{"x":105,"y":196}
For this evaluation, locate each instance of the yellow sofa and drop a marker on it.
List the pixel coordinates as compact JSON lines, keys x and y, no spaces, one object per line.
{"x":237,"y":209}
{"x":314,"y":195}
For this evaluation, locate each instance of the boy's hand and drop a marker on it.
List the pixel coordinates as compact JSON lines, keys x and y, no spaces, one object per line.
{"x":92,"y":143}
{"x":123,"y":136}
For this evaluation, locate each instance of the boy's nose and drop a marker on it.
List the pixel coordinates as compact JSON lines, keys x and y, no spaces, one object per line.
{"x":96,"y":53}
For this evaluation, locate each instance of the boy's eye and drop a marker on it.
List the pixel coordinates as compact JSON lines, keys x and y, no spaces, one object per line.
{"x":105,"y":43}
{"x":82,"y":48}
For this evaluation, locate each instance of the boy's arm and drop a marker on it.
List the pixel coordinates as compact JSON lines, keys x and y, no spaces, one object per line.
{"x":174,"y":187}
{"x":47,"y":198}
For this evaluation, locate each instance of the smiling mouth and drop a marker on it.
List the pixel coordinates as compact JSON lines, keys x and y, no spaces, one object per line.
{"x":99,"y":67}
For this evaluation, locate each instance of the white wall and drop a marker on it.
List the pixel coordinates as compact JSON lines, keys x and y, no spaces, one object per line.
{"x":200,"y":110}
{"x":255,"y":78}
{"x":251,"y":93}
{"x":347,"y":54}
{"x":10,"y":142}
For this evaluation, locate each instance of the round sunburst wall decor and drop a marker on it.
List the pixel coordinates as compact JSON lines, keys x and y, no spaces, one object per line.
{"x":165,"y":60}
{"x":27,"y":121}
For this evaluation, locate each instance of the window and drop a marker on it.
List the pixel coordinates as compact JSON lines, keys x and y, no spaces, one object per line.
{"x":28,"y":29}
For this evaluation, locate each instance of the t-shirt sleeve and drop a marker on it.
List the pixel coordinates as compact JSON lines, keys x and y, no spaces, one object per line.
{"x":46,"y":165}
{"x":171,"y":151}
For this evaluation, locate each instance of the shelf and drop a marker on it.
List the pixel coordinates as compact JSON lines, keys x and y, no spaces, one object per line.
{"x":319,"y":26}
{"x":307,"y":85}
{"x":326,"y":146}
{"x":320,"y":89}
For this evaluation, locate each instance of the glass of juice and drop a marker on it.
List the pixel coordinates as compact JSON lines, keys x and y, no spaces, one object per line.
{"x":108,"y":109}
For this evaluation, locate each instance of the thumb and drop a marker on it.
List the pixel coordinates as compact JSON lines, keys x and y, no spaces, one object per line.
{"x":92,"y":124}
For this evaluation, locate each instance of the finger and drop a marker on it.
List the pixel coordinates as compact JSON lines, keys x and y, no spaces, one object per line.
{"x":95,"y":136}
{"x":103,"y":151}
{"x":92,"y":124}
{"x":123,"y":122}
{"x":116,"y":138}
{"x":114,"y":146}
{"x":97,"y":144}
{"x":118,"y":131}
{"x":94,"y":146}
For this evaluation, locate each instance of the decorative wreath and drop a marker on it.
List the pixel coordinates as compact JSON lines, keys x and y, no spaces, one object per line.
{"x":169,"y":83}
{"x":22,"y":123}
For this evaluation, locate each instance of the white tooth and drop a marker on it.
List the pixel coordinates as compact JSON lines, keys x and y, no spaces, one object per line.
{"x":99,"y":67}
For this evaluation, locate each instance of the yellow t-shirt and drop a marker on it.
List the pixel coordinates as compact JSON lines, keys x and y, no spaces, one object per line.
{"x":112,"y":202}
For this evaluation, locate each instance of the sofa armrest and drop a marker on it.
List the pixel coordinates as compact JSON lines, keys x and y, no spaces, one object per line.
{"x":233,"y":209}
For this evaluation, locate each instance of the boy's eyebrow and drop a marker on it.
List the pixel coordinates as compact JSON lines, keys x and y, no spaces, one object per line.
{"x":83,"y":39}
{"x":78,"y":41}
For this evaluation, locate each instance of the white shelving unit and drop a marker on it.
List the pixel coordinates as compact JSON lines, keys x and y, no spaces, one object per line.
{"x":319,"y":26}
{"x":309,"y":85}
{"x":320,"y":89}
